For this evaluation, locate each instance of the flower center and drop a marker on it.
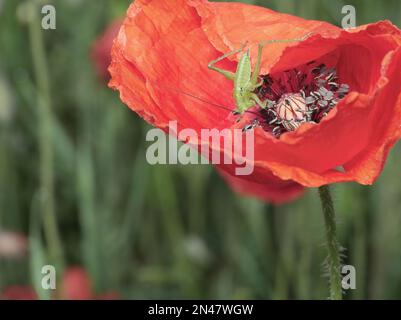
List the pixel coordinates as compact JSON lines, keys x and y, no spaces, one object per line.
{"x":303,"y":94}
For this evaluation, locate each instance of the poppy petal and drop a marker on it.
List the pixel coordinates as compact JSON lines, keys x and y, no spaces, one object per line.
{"x":228,"y":25}
{"x":153,"y":74}
{"x":272,"y":190}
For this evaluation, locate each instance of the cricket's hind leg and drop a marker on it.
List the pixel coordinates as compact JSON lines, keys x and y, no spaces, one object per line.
{"x":228,"y":74}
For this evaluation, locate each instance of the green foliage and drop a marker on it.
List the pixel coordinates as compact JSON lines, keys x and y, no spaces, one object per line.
{"x":166,"y":231}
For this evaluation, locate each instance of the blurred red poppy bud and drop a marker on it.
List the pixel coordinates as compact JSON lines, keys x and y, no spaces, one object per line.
{"x":101,"y":50}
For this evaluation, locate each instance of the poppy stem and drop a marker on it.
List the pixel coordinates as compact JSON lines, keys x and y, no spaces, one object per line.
{"x":333,"y":258}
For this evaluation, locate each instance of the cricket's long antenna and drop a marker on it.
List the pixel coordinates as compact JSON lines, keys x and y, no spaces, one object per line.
{"x":203,"y":100}
{"x":306,"y":36}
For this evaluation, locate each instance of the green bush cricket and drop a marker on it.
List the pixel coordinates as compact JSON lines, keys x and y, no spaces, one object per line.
{"x":246,"y":81}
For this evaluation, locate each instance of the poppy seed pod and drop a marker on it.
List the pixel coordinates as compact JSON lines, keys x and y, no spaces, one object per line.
{"x":291,"y":109}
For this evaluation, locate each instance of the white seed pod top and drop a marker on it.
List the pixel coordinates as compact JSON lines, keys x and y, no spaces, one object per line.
{"x":291,"y":107}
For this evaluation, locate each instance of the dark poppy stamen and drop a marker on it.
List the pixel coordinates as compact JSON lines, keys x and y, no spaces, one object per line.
{"x":304,"y":94}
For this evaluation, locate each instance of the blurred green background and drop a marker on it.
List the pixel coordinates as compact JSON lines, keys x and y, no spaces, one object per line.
{"x":76,"y":158}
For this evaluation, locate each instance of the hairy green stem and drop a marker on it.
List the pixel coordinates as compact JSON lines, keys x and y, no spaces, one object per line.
{"x":333,"y":258}
{"x":46,"y":170}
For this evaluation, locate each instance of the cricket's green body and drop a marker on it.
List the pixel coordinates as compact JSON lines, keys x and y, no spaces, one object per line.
{"x":242,"y":84}
{"x":246,"y":81}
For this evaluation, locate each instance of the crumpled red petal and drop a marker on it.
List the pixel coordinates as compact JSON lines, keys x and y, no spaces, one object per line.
{"x":273,"y":190}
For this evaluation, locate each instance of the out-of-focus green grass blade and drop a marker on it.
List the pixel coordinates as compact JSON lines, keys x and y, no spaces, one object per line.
{"x":37,"y":253}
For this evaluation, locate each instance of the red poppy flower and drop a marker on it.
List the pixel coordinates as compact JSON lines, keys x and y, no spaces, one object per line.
{"x":18,"y":293}
{"x":77,"y":286}
{"x":348,"y":79}
{"x":100,"y":52}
